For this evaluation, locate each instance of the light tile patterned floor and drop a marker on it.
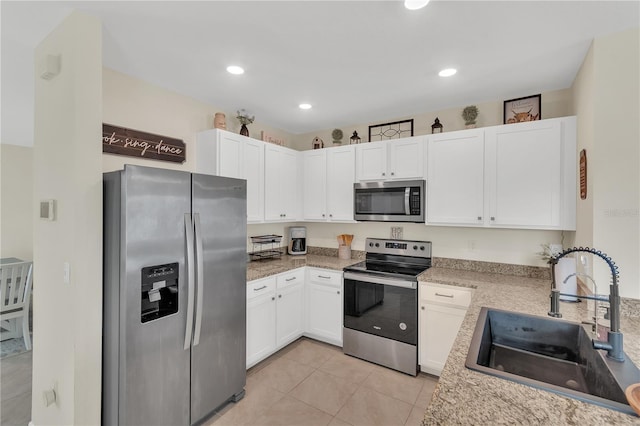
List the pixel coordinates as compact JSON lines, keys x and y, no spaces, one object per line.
{"x":312,"y":383}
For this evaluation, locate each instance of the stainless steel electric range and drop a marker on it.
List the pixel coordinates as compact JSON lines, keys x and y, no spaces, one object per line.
{"x":381,"y":303}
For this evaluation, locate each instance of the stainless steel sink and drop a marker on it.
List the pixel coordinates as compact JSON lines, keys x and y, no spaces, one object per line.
{"x":549,"y":354}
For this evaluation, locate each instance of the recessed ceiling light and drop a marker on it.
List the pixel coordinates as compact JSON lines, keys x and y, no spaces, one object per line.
{"x":234,"y":69}
{"x":448,"y":72}
{"x":304,"y":106}
{"x":415,"y":4}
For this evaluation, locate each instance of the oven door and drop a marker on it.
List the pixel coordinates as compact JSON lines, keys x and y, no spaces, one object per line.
{"x":381,"y":306}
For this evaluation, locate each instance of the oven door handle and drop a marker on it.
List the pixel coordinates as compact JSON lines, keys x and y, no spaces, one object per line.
{"x":374,"y":279}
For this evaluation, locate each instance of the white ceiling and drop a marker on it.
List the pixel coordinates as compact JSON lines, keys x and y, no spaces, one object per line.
{"x":354,"y":61}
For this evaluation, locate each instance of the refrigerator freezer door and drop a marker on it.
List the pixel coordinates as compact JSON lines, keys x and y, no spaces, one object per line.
{"x":218,"y":365}
{"x":153,"y":365}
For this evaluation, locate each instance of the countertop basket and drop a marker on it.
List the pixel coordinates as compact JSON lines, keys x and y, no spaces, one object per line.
{"x":266,"y":247}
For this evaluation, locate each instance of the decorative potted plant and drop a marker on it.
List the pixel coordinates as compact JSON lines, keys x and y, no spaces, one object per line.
{"x":469,"y":114}
{"x":245,"y":119}
{"x":337,"y":136}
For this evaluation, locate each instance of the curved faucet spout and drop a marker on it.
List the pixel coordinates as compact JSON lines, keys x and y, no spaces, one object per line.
{"x":613,"y":345}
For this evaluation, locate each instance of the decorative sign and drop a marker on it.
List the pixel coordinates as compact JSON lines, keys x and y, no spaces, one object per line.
{"x":523,"y":109}
{"x":133,"y":143}
{"x":583,"y":174}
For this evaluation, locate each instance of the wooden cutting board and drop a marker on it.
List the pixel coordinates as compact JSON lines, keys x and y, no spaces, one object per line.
{"x":633,"y":396}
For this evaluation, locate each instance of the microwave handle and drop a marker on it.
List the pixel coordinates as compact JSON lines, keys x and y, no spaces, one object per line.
{"x":407,"y":194}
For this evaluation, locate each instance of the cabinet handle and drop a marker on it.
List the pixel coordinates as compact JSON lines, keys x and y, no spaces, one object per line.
{"x":322,"y":214}
{"x":322,"y":276}
{"x":260,"y":288}
{"x":384,"y":174}
{"x":330,"y":215}
{"x":338,"y":291}
{"x":450,"y":296}
{"x":290,"y":279}
{"x":273,"y":298}
{"x":392,"y":173}
{"x":493,"y":218}
{"x":479,"y":217}
{"x":279,"y":296}
{"x":422,"y":307}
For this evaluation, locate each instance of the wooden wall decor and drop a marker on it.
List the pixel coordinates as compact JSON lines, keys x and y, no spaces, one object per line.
{"x":134,"y":143}
{"x":583,"y":174}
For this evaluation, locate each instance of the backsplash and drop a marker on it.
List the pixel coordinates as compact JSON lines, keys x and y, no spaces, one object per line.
{"x":492,"y":267}
{"x":333,"y":252}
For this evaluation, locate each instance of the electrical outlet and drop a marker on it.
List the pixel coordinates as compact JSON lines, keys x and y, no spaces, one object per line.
{"x":584,"y":260}
{"x":396,"y":232}
{"x":66,"y":273}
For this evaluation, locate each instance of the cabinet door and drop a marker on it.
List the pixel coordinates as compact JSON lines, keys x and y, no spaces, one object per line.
{"x":254,"y":174}
{"x":371,"y":161}
{"x":261,"y":327}
{"x":230,"y":160}
{"x":290,"y":320}
{"x":524,"y":170}
{"x":341,"y":165}
{"x":324,"y":313}
{"x":289,"y":181}
{"x":273,"y":164}
{"x":314,"y":184}
{"x":406,"y":158}
{"x":455,"y":178}
{"x":439,"y":326}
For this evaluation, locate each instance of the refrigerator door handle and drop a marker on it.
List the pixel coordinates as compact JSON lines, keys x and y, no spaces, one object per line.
{"x":188,"y":227}
{"x":199,"y":278}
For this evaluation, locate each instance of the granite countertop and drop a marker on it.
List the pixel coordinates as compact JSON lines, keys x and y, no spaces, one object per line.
{"x":267,"y":267}
{"x":467,"y":397}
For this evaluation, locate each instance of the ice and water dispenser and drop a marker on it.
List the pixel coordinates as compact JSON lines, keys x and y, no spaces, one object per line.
{"x":159,"y":291}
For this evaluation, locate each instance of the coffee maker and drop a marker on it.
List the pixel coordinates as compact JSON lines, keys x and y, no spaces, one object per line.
{"x":297,"y":240}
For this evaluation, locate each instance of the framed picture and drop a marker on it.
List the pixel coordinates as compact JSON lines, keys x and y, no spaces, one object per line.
{"x":522,"y":109}
{"x":395,"y":130}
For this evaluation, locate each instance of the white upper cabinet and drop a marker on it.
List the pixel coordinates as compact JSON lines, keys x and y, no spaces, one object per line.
{"x":328,"y":177}
{"x":281,"y":183}
{"x":530,"y":174}
{"x":223,"y":153}
{"x":389,"y":160}
{"x":512,"y":176}
{"x":455,"y":178}
{"x":314,"y":166}
{"x":341,"y":170}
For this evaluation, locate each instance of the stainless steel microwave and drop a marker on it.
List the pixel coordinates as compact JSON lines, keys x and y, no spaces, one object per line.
{"x":397,"y":201}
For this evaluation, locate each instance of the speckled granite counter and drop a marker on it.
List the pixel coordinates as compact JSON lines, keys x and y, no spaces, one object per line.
{"x":267,"y":267}
{"x":467,"y":397}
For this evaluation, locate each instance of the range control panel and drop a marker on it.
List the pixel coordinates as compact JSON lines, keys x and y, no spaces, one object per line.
{"x":398,"y":247}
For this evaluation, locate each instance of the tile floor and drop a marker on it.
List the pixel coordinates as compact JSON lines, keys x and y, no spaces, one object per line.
{"x":312,"y":383}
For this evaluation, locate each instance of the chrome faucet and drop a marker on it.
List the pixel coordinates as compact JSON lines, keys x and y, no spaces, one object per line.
{"x":613,"y":345}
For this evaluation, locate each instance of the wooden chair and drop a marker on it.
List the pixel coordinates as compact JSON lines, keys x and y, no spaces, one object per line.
{"x":15,"y":295}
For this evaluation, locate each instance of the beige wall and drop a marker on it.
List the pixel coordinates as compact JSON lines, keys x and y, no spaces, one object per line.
{"x":67,"y":317}
{"x":607,"y":93}
{"x":555,"y":104}
{"x":16,"y":211}
{"x":133,"y":103}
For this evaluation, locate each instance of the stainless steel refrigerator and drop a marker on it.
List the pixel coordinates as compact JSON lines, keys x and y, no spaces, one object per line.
{"x":174,"y":346}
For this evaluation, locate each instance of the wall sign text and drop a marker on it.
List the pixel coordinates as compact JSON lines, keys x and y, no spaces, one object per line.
{"x":134,"y":143}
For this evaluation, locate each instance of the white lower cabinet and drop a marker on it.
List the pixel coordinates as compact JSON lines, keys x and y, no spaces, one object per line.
{"x":290,"y":307}
{"x":261,"y":319}
{"x":275,"y":315}
{"x":442,"y":310}
{"x":324,"y":305}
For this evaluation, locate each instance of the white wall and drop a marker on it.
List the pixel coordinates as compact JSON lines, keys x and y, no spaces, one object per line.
{"x":16,"y":211}
{"x":67,"y":317}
